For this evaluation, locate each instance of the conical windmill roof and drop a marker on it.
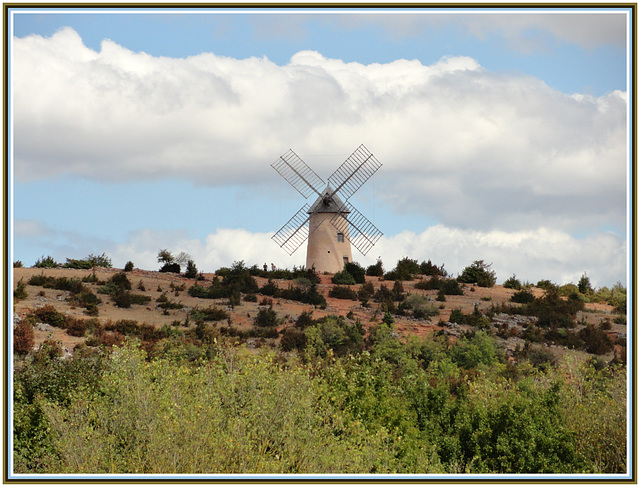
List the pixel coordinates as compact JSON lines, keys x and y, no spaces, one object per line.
{"x":324,"y":204}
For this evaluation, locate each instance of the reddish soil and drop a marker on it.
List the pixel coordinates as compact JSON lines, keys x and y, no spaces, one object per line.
{"x":156,"y":283}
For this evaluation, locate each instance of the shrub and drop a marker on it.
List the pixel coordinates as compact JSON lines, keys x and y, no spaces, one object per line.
{"x":46,"y":262}
{"x":125,"y":299}
{"x":343,"y":292}
{"x":266,"y":317}
{"x":166,"y":303}
{"x":23,"y":338}
{"x":343,"y":277}
{"x":449,"y":287}
{"x":48,"y":314}
{"x":293,"y":339}
{"x":212,"y":313}
{"x":375,"y":269}
{"x":334,"y":333}
{"x":596,"y":340}
{"x":366,"y":291}
{"x":512,"y":283}
{"x":239,"y":279}
{"x":406,"y":269}
{"x":429,"y":269}
{"x":547,"y":285}
{"x":77,"y":328}
{"x":420,"y":306}
{"x":17,"y":264}
{"x":584,"y":285}
{"x":523,"y":296}
{"x":478,"y":273}
{"x":173,"y":267}
{"x":428,"y":284}
{"x":60,"y":283}
{"x":457,"y":316}
{"x":20,"y":291}
{"x":304,"y":320}
{"x":128,"y":267}
{"x":90,"y":262}
{"x":479,"y":349}
{"x":356,"y":270}
{"x":192,"y":270}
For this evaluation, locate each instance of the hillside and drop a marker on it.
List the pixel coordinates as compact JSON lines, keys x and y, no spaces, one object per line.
{"x":251,"y":372}
{"x":241,"y":317}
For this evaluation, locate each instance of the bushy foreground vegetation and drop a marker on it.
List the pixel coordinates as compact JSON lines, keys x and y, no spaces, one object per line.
{"x":376,"y":406}
{"x":320,"y":395}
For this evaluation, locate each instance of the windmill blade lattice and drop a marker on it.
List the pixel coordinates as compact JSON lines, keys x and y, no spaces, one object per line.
{"x":304,"y":180}
{"x":354,"y":172}
{"x":360,"y":232}
{"x":293,"y":233}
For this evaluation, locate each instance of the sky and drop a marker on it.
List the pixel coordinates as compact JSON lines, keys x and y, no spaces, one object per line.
{"x":503,"y":133}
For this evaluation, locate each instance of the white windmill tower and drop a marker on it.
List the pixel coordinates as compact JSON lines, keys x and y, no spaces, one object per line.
{"x":333,"y":223}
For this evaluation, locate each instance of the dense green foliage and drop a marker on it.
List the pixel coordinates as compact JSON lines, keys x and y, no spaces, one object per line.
{"x":304,"y":395}
{"x":478,"y":273}
{"x":341,"y":404}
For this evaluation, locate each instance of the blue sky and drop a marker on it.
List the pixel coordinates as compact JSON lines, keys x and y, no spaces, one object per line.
{"x":502,"y":133}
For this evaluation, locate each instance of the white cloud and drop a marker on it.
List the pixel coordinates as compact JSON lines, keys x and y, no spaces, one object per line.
{"x":462,"y":145}
{"x":531,"y":255}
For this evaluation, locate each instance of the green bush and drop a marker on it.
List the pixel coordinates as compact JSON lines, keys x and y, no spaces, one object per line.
{"x":420,"y":306}
{"x":192,"y":270}
{"x":343,"y":292}
{"x":513,"y":283}
{"x":48,"y":314}
{"x":266,"y":317}
{"x":20,"y":292}
{"x":356,"y":270}
{"x":429,"y":269}
{"x":406,"y":269}
{"x":523,"y":296}
{"x":212,"y":313}
{"x":46,"y":262}
{"x":343,"y":277}
{"x":60,"y":283}
{"x":376,"y":269}
{"x":478,"y":273}
{"x":128,"y":267}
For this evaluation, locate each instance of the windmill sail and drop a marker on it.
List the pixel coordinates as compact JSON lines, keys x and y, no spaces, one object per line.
{"x":354,"y":172}
{"x":360,"y":232}
{"x":304,"y":180}
{"x":293,"y":233}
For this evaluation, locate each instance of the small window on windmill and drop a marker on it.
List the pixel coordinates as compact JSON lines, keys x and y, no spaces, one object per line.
{"x":345,"y":259}
{"x":340,"y":237}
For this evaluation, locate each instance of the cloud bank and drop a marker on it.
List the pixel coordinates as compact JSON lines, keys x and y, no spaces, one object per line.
{"x":559,"y":257}
{"x":465,"y":146}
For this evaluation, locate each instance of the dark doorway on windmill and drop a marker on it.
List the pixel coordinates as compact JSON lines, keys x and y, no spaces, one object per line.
{"x":340,"y":237}
{"x":345,"y":259}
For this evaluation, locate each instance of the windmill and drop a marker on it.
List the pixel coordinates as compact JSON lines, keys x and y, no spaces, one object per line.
{"x":334,"y":225}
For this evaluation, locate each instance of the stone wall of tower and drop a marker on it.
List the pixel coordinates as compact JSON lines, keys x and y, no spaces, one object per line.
{"x":324,"y":251}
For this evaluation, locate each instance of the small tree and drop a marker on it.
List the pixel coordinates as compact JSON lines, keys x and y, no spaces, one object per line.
{"x":192,"y":270}
{"x":128,"y":267}
{"x":584,"y":285}
{"x":169,"y":262}
{"x":478,"y":273}
{"x":165,"y":257}
{"x":46,"y":262}
{"x":513,"y":283}
{"x":376,"y":269}
{"x":23,"y":338}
